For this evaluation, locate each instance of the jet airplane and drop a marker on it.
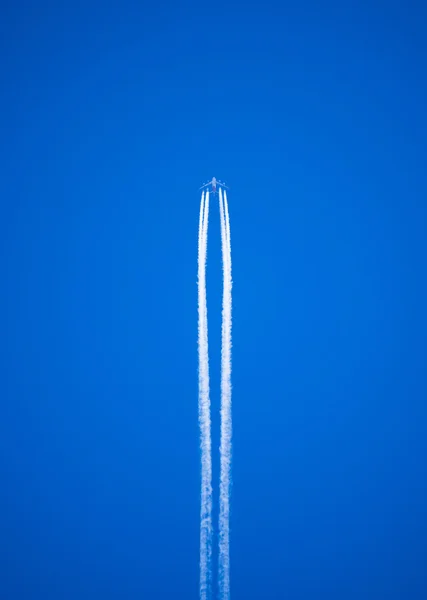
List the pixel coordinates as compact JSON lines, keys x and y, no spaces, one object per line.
{"x":214,"y":182}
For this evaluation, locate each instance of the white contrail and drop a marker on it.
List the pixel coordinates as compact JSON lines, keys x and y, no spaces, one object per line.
{"x":226,"y":422}
{"x":204,"y":409}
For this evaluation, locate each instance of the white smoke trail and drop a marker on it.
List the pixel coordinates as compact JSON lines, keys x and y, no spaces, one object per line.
{"x":204,"y":409}
{"x":226,"y":422}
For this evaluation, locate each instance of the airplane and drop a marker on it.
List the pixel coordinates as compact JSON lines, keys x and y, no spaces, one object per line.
{"x":214,"y":183}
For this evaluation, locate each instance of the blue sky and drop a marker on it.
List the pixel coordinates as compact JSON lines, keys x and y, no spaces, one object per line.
{"x":112,"y":115}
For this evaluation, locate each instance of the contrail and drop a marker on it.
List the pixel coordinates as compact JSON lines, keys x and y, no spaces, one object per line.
{"x":226,"y":422}
{"x":204,"y":409}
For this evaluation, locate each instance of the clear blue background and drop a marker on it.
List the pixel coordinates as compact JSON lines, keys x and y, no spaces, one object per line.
{"x":112,"y":115}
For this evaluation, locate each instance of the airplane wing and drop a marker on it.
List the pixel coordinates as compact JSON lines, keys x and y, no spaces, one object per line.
{"x":223,"y":185}
{"x":204,"y":185}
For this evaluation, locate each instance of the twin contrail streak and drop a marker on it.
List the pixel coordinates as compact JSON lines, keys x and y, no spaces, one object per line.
{"x":204,"y":409}
{"x":226,"y":422}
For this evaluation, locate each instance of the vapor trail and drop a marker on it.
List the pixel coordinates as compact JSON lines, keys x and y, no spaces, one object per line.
{"x":226,"y":422}
{"x":204,"y":409}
